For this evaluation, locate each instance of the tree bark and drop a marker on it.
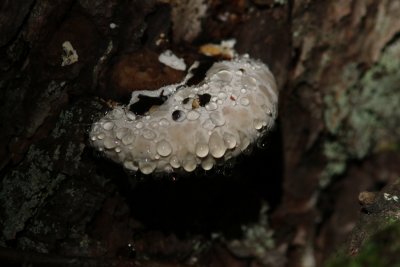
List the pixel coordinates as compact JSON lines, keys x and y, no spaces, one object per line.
{"x":337,"y":65}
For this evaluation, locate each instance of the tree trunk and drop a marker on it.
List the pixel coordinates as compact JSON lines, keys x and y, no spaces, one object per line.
{"x":63,"y":64}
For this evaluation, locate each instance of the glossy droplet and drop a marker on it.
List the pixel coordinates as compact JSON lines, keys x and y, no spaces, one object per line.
{"x":128,"y":138}
{"x":217,"y":146}
{"x":222,"y":95}
{"x":130,"y":116}
{"x":258,"y":124}
{"x":244,"y":101}
{"x":217,"y":118}
{"x":248,"y":80}
{"x":101,"y":136}
{"x":146,"y":166}
{"x":108,"y":125}
{"x":208,"y":124}
{"x":164,"y":148}
{"x":189,"y":163}
{"x":117,"y":149}
{"x":139,"y":125}
{"x":244,"y":142}
{"x":117,"y":113}
{"x":121,"y":132}
{"x":211,"y":106}
{"x":178,"y":115}
{"x":174,"y":162}
{"x":243,"y":91}
{"x":130,"y":166}
{"x":224,"y":75}
{"x":93,"y":138}
{"x":154,"y":124}
{"x":164,"y":122}
{"x":207,"y":163}
{"x":109,"y":143}
{"x":149,"y":134}
{"x":193,"y":115}
{"x":230,"y":140}
{"x":202,"y":150}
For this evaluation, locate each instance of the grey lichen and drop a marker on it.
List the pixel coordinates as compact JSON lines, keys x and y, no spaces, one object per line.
{"x":257,"y":240}
{"x":364,"y":118}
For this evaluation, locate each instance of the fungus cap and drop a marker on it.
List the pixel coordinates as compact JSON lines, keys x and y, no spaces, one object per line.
{"x":230,"y":109}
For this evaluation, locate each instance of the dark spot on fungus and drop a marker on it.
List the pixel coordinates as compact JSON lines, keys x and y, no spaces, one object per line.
{"x":146,"y":102}
{"x":186,"y":100}
{"x":199,"y":73}
{"x":176,"y":115}
{"x":204,"y":99}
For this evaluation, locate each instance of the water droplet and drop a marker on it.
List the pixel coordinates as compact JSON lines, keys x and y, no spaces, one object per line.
{"x":174,"y":161}
{"x":193,"y":115}
{"x":128,"y":138}
{"x":93,"y":138}
{"x":208,"y":124}
{"x":178,"y":115}
{"x":117,"y":113}
{"x":109,"y":143}
{"x":211,"y":106}
{"x":224,"y":75}
{"x":244,"y":141}
{"x":244,"y":101}
{"x":130,"y":116}
{"x":148,"y":134}
{"x":117,"y":149}
{"x":243,"y":91}
{"x":217,"y":146}
{"x":250,"y":81}
{"x":230,"y":140}
{"x":139,"y":125}
{"x":154,"y":124}
{"x":217,"y":118}
{"x":146,"y":166}
{"x":101,"y":136}
{"x":222,"y":96}
{"x":121,"y":132}
{"x":164,"y":122}
{"x":164,"y":148}
{"x":189,"y":163}
{"x":207,"y":163}
{"x":258,"y":124}
{"x":202,"y":150}
{"x":130,"y":166}
{"x":108,"y":125}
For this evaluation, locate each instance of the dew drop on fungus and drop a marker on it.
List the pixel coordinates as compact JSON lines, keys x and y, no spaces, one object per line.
{"x":163,"y":148}
{"x":217,"y":146}
{"x":202,"y":150}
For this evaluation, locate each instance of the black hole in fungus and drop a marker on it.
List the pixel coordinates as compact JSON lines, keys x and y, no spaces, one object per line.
{"x":186,"y":100}
{"x":204,"y":99}
{"x":176,"y":115}
{"x":146,"y":102}
{"x":199,"y":73}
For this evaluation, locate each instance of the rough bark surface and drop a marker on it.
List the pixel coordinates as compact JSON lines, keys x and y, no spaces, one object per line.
{"x":337,"y":64}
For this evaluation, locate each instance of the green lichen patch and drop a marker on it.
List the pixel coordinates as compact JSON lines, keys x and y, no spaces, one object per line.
{"x":363,"y":118}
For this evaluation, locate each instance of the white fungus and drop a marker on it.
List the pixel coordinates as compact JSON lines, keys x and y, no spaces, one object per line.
{"x":218,"y":118}
{"x":171,"y":60}
{"x":69,"y":56}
